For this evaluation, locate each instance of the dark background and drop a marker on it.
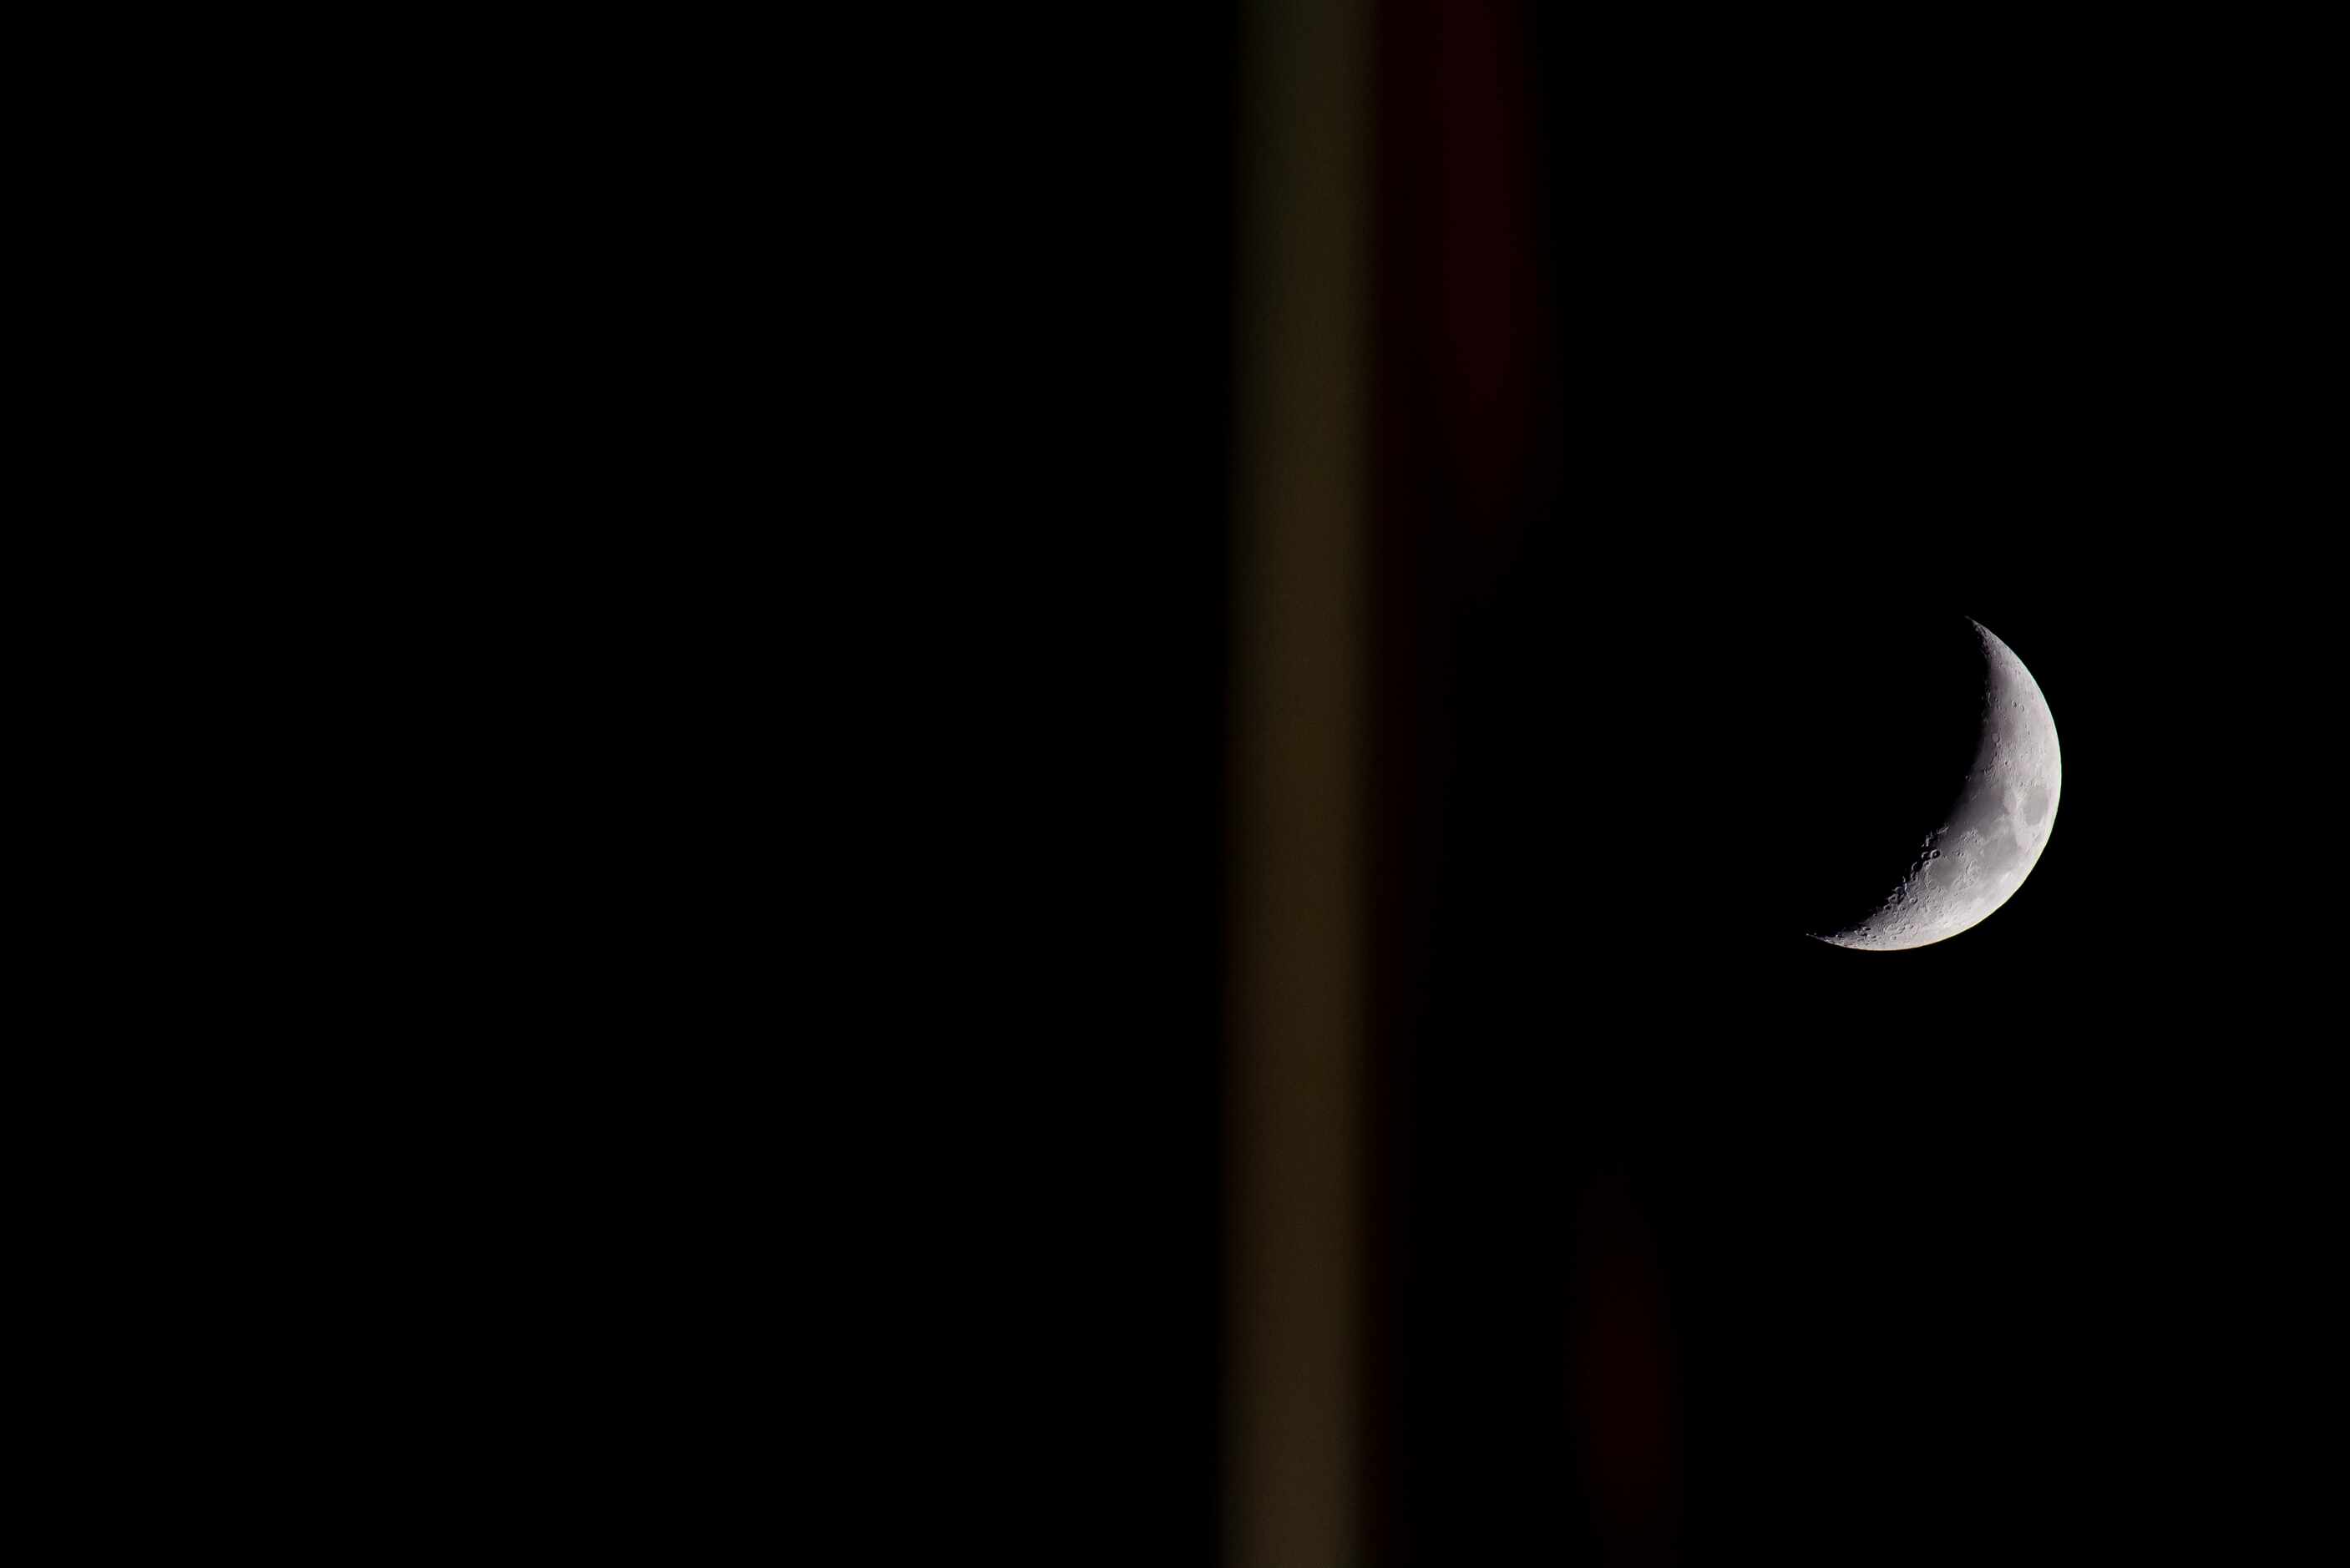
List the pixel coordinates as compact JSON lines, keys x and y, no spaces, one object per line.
{"x":1685,"y":1237}
{"x":1994,"y":1250}
{"x":1951,"y":1250}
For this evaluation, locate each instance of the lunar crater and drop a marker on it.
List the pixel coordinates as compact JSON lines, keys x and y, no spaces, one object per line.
{"x":1996,"y":829}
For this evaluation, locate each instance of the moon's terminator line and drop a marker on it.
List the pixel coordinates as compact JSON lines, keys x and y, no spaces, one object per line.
{"x":1974,"y":860}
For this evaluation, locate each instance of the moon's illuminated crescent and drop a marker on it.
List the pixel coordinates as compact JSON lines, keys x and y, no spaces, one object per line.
{"x":1992,"y":835}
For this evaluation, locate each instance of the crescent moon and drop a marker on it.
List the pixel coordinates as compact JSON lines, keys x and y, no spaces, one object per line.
{"x":1992,"y":833}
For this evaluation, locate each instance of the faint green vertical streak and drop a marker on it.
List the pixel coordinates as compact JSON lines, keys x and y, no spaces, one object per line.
{"x":1292,"y":1403}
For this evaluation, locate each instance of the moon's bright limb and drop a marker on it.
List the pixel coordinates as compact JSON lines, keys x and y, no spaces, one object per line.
{"x":1974,"y":860}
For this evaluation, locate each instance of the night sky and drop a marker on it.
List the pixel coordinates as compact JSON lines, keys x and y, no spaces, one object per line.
{"x":1655,"y":1231}
{"x":1322,"y":576}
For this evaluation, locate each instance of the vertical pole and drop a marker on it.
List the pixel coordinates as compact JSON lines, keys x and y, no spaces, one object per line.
{"x":1294,"y":1218}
